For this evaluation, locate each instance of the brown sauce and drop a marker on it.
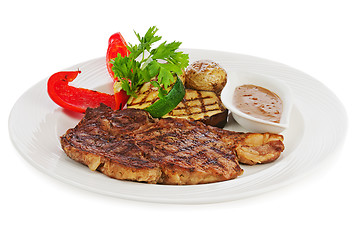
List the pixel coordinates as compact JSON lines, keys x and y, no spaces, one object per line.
{"x":258,"y":102}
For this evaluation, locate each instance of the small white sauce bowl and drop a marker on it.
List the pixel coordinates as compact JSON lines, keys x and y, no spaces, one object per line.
{"x":248,"y":122}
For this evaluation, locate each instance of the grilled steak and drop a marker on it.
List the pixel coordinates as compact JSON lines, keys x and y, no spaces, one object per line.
{"x":130,"y":145}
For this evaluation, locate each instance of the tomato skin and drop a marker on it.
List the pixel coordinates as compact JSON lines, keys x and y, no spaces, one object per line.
{"x":79,"y":99}
{"x":73,"y":98}
{"x":121,"y":99}
{"x":117,"y":45}
{"x":117,"y":37}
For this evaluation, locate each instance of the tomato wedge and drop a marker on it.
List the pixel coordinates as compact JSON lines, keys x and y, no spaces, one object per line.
{"x":117,"y":44}
{"x":73,"y":98}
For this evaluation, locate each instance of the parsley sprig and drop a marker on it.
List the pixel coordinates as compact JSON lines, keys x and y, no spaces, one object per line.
{"x":144,"y":63}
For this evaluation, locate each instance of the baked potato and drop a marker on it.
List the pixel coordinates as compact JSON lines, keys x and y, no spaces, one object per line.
{"x":205,"y":75}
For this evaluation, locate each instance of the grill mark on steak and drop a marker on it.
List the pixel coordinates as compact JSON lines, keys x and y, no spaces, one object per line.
{"x":130,"y":145}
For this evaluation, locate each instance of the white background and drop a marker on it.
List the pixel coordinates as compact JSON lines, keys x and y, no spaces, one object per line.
{"x":321,"y":38}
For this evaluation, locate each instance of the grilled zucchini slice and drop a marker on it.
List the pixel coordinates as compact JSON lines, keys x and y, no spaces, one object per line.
{"x":196,"y":105}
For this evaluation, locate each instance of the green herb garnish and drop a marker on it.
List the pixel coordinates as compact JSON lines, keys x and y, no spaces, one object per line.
{"x":144,"y":63}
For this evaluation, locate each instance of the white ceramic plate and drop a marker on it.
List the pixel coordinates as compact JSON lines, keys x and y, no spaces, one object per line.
{"x":317,"y":128}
